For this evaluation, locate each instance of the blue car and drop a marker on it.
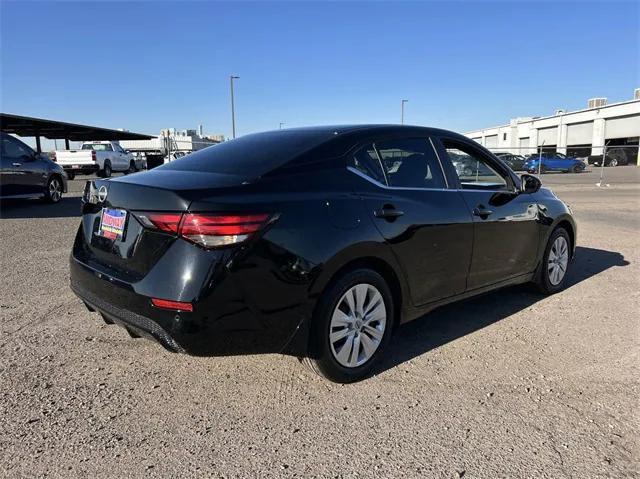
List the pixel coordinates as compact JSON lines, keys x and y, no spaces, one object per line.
{"x":554,"y":162}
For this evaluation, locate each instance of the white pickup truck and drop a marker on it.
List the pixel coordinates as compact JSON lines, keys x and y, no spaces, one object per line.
{"x":101,"y":157}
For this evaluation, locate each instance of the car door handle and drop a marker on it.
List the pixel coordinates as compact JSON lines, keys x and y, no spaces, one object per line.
{"x":16,"y":164}
{"x":387,"y":213}
{"x":482,"y":212}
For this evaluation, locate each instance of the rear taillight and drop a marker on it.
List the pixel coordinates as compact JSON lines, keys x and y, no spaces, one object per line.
{"x":207,"y":230}
{"x":94,"y":156}
{"x":168,"y":222}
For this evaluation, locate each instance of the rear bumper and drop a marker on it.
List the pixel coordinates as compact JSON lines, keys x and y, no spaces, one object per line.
{"x":221,"y":324}
{"x":141,"y":325}
{"x":81,"y":169}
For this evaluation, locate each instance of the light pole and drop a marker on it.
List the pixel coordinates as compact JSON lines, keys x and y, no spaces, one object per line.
{"x":402,"y":111}
{"x":233,"y":107}
{"x":281,"y":123}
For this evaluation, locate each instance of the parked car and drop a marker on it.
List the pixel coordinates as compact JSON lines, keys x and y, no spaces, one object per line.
{"x":27,"y":174}
{"x":614,"y":157}
{"x":467,"y":167}
{"x":515,"y":162}
{"x":101,"y":157}
{"x":553,"y":162}
{"x":313,"y":242}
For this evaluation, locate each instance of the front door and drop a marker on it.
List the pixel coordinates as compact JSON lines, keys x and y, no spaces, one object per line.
{"x":21,"y":171}
{"x":506,"y":231}
{"x":425,"y":222}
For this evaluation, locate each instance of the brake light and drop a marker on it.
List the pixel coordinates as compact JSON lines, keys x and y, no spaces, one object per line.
{"x":172,"y":305}
{"x":204,"y":229}
{"x":94,"y":156}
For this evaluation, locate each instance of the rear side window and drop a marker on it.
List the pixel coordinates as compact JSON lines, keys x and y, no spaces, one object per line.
{"x":411,"y":163}
{"x":252,"y":155}
{"x":366,"y":162}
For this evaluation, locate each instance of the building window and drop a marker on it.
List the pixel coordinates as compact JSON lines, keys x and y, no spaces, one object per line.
{"x":504,"y":137}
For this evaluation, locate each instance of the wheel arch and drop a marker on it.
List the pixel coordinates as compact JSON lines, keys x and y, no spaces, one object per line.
{"x":382,"y":265}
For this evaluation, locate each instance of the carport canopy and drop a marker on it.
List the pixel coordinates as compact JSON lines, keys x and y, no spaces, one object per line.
{"x":60,"y":130}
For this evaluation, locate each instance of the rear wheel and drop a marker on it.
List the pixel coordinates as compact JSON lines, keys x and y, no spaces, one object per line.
{"x":132,"y":168}
{"x":53,"y":193}
{"x":106,"y":171}
{"x":351,"y":327}
{"x":552,"y":271}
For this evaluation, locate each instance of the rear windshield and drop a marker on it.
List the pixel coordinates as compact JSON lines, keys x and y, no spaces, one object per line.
{"x":252,"y":155}
{"x":97,"y":146}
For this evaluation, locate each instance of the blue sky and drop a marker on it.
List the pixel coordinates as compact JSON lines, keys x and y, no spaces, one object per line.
{"x":462,"y":65}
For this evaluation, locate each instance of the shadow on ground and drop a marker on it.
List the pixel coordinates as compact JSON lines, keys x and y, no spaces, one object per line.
{"x":67,"y":207}
{"x":453,"y":321}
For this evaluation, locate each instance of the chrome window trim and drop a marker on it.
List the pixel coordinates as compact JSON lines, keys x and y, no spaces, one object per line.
{"x":380,"y":185}
{"x":386,"y":187}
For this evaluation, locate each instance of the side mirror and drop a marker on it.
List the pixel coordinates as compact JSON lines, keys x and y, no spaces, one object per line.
{"x":530,"y":184}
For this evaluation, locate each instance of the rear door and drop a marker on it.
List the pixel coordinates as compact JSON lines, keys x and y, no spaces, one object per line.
{"x":506,"y":231}
{"x":424,"y":220}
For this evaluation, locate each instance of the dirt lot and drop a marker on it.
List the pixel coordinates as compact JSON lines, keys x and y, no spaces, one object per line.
{"x":512,"y":384}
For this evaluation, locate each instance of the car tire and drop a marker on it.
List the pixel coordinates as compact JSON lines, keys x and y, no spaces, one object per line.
{"x":551,"y":275}
{"x":576,"y":169}
{"x":53,"y":192}
{"x":132,"y":168}
{"x":106,"y":170}
{"x":339,"y":323}
{"x":613,"y":162}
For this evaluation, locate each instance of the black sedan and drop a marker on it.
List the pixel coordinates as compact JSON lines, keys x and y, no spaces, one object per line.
{"x":515,"y":162}
{"x":313,"y":242}
{"x":27,"y":174}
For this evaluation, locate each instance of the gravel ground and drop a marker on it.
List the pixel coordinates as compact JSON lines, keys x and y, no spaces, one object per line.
{"x":511,"y":384}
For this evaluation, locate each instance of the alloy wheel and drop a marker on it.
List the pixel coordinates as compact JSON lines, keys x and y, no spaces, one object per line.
{"x":55,"y":190}
{"x":357,"y":325}
{"x":558,"y":260}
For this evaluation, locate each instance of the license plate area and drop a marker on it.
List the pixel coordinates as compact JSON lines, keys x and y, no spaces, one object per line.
{"x":113,"y":223}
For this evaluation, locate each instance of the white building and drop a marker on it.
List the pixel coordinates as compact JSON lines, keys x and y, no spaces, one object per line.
{"x":577,"y":133}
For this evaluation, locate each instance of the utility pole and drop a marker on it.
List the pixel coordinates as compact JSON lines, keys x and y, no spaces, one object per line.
{"x":402,"y":111}
{"x":233,"y":107}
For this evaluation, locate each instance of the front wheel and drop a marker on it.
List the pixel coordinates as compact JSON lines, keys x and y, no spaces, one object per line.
{"x":351,"y":327}
{"x":551,"y":275}
{"x":576,"y":169}
{"x":53,"y":193}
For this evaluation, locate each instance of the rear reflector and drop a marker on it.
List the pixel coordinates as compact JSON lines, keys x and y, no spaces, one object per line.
{"x":204,"y":229}
{"x":171,"y":305}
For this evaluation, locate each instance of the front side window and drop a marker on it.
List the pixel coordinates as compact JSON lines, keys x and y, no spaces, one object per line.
{"x":473,"y":168}
{"x":366,"y":162}
{"x":13,"y":148}
{"x":411,"y":163}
